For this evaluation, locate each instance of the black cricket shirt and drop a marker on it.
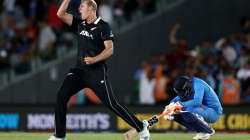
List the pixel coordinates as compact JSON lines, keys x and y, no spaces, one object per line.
{"x":90,"y":38}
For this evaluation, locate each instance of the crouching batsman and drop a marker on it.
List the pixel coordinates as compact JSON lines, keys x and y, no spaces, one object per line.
{"x":199,"y":106}
{"x":195,"y":106}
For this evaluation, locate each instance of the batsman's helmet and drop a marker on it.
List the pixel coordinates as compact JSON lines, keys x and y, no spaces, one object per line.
{"x":183,"y":87}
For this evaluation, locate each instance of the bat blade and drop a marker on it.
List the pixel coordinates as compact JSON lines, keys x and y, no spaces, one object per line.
{"x":130,"y":134}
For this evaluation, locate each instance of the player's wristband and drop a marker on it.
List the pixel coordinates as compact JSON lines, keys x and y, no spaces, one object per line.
{"x":178,"y":107}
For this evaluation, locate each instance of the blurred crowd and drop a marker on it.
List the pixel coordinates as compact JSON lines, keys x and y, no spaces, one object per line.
{"x":224,"y":65}
{"x":120,"y":12}
{"x":31,"y":34}
{"x":29,"y":31}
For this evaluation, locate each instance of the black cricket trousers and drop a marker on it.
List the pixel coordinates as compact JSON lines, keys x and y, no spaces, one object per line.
{"x":94,"y":77}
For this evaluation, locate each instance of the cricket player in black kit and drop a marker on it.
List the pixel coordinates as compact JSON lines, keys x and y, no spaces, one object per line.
{"x":95,"y":45}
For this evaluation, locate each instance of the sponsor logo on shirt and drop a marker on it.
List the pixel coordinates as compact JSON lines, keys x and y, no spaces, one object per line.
{"x":87,"y":34}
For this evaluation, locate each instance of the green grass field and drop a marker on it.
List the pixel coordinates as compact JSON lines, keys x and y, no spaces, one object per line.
{"x":117,"y":136}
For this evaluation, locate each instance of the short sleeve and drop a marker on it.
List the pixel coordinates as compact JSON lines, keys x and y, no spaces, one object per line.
{"x":76,"y":21}
{"x":106,"y":33}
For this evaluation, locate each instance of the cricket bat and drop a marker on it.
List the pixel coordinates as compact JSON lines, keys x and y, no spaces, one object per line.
{"x":130,"y":134}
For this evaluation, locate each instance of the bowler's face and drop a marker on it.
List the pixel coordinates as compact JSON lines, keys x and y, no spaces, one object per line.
{"x":84,"y":10}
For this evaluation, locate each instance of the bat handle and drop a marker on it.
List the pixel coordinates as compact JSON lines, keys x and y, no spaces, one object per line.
{"x":153,"y":120}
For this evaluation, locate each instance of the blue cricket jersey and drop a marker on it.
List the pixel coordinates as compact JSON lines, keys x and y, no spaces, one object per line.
{"x":203,"y":95}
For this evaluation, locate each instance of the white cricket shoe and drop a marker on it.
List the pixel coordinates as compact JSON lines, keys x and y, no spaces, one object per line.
{"x":55,"y":138}
{"x":204,"y":136}
{"x":197,"y":136}
{"x":144,"y":134}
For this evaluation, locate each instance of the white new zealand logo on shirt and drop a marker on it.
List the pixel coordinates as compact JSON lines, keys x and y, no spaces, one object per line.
{"x":86,"y":33}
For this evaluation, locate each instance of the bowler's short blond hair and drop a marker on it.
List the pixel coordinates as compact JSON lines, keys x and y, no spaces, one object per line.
{"x":90,"y":3}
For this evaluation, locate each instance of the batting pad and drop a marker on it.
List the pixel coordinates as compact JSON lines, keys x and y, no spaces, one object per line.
{"x":192,"y":122}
